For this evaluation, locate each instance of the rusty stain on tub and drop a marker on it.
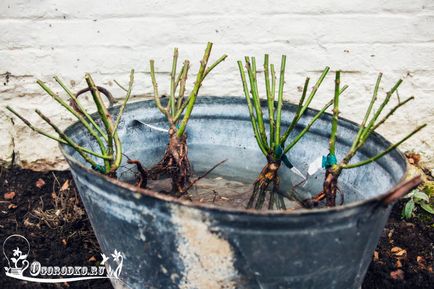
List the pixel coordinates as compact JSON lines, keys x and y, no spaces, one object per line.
{"x":208,"y":259}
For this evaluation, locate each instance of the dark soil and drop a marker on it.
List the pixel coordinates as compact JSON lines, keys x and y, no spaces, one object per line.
{"x":60,"y":242}
{"x":405,"y":253}
{"x":68,"y":239}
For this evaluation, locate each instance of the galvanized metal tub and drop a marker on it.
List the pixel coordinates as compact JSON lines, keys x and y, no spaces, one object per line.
{"x":168,"y":243}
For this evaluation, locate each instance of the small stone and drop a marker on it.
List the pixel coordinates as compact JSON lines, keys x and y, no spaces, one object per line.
{"x":64,"y":242}
{"x":163,"y":269}
{"x":376,"y":256}
{"x":40,"y":183}
{"x":397,"y":275}
{"x":9,"y":195}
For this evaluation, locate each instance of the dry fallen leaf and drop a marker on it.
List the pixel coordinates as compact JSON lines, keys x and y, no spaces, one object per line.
{"x":40,"y":183}
{"x":92,"y":259}
{"x":9,"y":195}
{"x":390,"y":234}
{"x":64,"y":242}
{"x":413,"y":158}
{"x":376,"y":256}
{"x":398,"y":264}
{"x":399,"y":252}
{"x":29,"y":224}
{"x":421,"y":261}
{"x":65,"y":186}
{"x":12,"y":206}
{"x":397,"y":275}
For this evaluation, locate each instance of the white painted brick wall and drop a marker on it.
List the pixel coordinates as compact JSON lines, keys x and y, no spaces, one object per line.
{"x":40,"y":38}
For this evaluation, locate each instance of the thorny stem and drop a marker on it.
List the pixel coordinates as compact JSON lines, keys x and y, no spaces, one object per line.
{"x":178,"y":111}
{"x":306,"y":104}
{"x":40,"y":131}
{"x":185,"y":103}
{"x":389,"y":94}
{"x":181,"y":109}
{"x":274,"y":149}
{"x":306,"y":129}
{"x":172,"y":102}
{"x":313,"y":91}
{"x":270,"y":99}
{"x":177,"y":105}
{"x":111,"y":162}
{"x":108,"y":124}
{"x":71,"y":110}
{"x":368,"y":111}
{"x":120,"y":85}
{"x":299,"y":108}
{"x":313,"y":120}
{"x":280,"y":100}
{"x":81,"y":108}
{"x":365,"y":130}
{"x":212,"y":66}
{"x":251,"y":70}
{"x":178,"y":79}
{"x":389,"y":149}
{"x":183,"y":81}
{"x":156,"y":95}
{"x":255,"y":109}
{"x":335,"y":118}
{"x":389,"y":114}
{"x":193,"y":95}
{"x":250,"y":107}
{"x":67,"y":139}
{"x":79,"y":117}
{"x":124,"y":104}
{"x":273,"y":96}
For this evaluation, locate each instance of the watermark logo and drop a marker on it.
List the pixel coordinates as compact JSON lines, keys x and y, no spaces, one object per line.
{"x":16,"y":249}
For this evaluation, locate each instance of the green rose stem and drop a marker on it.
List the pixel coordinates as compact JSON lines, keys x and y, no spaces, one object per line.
{"x":106,"y":141}
{"x":334,"y":168}
{"x":178,"y":110}
{"x":274,"y":148}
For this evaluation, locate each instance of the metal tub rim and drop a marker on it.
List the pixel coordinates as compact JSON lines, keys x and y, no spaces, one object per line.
{"x":219,"y":209}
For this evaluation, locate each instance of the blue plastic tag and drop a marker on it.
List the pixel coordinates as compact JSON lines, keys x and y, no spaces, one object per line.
{"x":278,"y":151}
{"x":99,"y":168}
{"x":328,"y":161}
{"x":286,"y":161}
